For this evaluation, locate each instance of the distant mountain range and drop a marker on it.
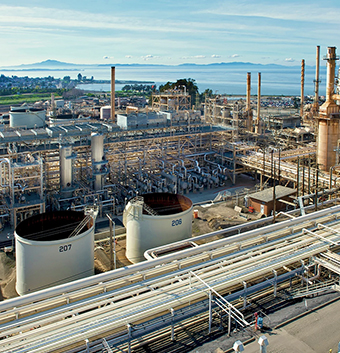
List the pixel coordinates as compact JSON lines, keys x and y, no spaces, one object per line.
{"x":59,"y":65}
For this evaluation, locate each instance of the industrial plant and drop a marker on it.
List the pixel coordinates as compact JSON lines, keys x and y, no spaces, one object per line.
{"x":67,"y":166}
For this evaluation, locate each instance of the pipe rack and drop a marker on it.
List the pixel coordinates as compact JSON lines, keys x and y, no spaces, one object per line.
{"x":64,"y":316}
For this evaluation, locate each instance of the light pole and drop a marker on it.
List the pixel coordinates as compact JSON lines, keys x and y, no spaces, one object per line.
{"x":112,"y":248}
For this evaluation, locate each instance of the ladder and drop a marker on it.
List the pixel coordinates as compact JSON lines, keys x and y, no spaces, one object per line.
{"x":80,"y":226}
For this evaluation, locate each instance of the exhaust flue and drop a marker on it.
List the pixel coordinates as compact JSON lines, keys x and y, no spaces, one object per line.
{"x":113,"y":97}
{"x":257,"y":125}
{"x":302,"y":86}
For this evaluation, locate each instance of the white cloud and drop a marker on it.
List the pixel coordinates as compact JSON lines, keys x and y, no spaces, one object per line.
{"x":282,"y":11}
{"x":78,"y":20}
{"x":289,"y":60}
{"x":105,"y":57}
{"x":199,"y":56}
{"x":128,"y":56}
{"x":149,"y":57}
{"x":215,"y":56}
{"x":235,"y":56}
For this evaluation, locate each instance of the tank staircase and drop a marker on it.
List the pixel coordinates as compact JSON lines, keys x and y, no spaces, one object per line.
{"x":80,"y":226}
{"x":139,"y":200}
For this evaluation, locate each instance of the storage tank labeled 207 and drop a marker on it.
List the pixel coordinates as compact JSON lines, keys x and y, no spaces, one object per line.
{"x":53,"y":248}
{"x":156,"y":219}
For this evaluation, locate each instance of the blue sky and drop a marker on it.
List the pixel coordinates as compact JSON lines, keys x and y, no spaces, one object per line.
{"x":167,"y":31}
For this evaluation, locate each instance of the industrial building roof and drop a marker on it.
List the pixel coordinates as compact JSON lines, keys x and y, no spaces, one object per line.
{"x":267,"y":195}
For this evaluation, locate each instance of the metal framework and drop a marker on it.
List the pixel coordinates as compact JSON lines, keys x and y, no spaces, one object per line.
{"x":175,"y":100}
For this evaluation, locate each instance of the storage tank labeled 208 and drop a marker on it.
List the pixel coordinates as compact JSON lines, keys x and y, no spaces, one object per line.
{"x":156,"y":219}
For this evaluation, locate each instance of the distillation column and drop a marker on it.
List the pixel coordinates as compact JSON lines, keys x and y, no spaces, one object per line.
{"x":99,"y":162}
{"x":328,"y":120}
{"x":66,"y":169}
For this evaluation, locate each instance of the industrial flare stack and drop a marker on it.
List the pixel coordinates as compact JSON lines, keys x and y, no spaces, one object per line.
{"x":328,"y":120}
{"x":249,"y":112}
{"x":113,"y":93}
{"x":317,"y":80}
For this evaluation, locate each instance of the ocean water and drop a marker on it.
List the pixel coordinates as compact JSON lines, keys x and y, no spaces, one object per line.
{"x":220,"y":79}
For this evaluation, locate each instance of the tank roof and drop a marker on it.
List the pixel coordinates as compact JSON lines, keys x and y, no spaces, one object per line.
{"x":51,"y":226}
{"x":166,"y":203}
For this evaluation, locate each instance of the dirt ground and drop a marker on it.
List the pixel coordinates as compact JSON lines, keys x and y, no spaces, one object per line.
{"x":218,"y":216}
{"x":7,"y":276}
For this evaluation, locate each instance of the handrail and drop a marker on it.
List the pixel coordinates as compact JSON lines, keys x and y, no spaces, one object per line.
{"x":224,"y":304}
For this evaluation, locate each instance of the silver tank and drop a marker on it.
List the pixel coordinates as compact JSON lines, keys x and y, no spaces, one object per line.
{"x":45,"y":254}
{"x":27,"y":118}
{"x":171,"y":222}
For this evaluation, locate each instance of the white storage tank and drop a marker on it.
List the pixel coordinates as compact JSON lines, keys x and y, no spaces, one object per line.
{"x":105,"y":112}
{"x":48,"y":254}
{"x":59,"y":103}
{"x":27,"y":117}
{"x":152,"y":220}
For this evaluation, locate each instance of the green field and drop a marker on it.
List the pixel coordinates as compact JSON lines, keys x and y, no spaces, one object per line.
{"x":25,"y":98}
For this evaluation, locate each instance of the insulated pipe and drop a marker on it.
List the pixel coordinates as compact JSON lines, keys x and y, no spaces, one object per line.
{"x":213,"y":163}
{"x":246,"y":235}
{"x":302,"y":86}
{"x":132,"y":269}
{"x":113,"y":91}
{"x":311,"y":279}
{"x":197,"y":164}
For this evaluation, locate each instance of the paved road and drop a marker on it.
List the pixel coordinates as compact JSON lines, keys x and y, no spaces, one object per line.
{"x":317,"y":332}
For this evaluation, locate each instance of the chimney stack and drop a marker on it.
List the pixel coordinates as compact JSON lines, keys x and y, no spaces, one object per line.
{"x":257,"y":125}
{"x":248,"y":109}
{"x":302,"y":87}
{"x":317,"y":79}
{"x":113,"y":97}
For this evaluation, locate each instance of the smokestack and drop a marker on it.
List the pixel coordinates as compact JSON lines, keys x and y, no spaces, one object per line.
{"x":113,"y":89}
{"x":248,"y":109}
{"x":317,"y":78}
{"x":257,"y":125}
{"x":52,"y":101}
{"x":248,"y":90}
{"x":302,"y":86}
